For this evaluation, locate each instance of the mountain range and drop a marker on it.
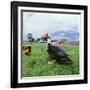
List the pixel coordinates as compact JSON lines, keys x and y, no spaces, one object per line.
{"x":69,"y":35}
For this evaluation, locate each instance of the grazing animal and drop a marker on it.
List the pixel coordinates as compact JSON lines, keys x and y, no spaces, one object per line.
{"x":56,"y":53}
{"x":27,"y":50}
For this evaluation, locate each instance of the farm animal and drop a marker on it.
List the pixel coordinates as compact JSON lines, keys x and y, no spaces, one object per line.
{"x":27,"y":49}
{"x":56,"y":53}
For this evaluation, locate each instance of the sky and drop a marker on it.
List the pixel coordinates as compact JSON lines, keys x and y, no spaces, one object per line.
{"x":59,"y":26}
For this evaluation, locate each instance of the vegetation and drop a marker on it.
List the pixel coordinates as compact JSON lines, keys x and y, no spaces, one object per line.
{"x":37,"y":63}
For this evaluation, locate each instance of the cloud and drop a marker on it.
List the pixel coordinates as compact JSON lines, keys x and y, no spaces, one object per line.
{"x":38,"y":23}
{"x":69,"y":35}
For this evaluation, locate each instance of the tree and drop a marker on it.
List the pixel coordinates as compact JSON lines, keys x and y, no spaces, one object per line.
{"x":29,"y":36}
{"x":38,"y":39}
{"x":45,"y":36}
{"x":33,"y":39}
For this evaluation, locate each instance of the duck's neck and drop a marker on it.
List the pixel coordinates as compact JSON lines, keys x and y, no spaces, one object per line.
{"x":49,"y":41}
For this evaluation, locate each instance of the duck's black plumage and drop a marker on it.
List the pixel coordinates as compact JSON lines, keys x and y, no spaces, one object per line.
{"x":57,"y":52}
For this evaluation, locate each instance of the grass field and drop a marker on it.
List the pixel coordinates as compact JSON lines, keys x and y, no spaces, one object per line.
{"x":37,"y":63}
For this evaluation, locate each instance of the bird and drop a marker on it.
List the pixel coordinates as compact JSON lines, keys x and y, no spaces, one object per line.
{"x":56,"y":53}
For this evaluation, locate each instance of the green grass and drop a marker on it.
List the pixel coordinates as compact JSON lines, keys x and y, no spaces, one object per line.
{"x":37,"y":63}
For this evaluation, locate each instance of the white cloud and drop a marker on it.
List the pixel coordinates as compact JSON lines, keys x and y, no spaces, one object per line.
{"x":38,"y":23}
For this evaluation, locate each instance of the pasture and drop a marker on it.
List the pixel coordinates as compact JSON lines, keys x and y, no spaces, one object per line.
{"x":37,"y":63}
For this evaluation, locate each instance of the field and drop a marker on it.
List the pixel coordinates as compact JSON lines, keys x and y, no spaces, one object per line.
{"x":37,"y":63}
